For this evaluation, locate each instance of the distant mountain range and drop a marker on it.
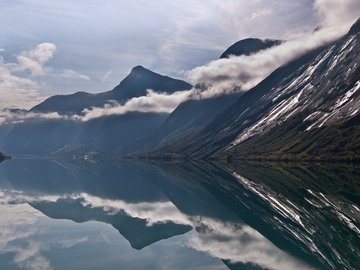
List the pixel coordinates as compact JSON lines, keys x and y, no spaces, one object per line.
{"x":307,"y":109}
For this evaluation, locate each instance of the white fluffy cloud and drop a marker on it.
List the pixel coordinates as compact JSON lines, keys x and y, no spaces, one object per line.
{"x":337,"y":14}
{"x":35,"y":59}
{"x":225,"y":76}
{"x":242,"y":244}
{"x":244,"y":72}
{"x":152,"y":102}
{"x":219,"y":77}
{"x":17,"y":225}
{"x":7,"y":116}
{"x":19,"y":90}
{"x":16,"y":91}
{"x":20,"y":86}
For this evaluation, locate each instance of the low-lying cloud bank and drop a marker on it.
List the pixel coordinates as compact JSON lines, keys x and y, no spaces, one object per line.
{"x":244,"y":72}
{"x":152,"y":102}
{"x":8,"y":116}
{"x":223,"y":76}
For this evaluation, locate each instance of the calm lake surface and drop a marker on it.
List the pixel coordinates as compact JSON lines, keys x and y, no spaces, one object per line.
{"x":86,"y":215}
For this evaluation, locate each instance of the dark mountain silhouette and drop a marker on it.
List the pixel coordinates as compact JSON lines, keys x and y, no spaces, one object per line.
{"x":249,"y":46}
{"x":49,"y":136}
{"x":135,"y":84}
{"x":3,"y":157}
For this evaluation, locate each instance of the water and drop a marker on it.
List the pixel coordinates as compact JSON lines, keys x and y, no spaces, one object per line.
{"x":103,"y":215}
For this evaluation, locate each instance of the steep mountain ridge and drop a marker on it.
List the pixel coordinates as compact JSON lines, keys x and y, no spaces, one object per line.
{"x":314,"y":114}
{"x":314,"y":94}
{"x":135,"y":84}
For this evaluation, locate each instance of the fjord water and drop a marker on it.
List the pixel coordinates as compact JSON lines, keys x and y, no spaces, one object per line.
{"x":129,"y":215}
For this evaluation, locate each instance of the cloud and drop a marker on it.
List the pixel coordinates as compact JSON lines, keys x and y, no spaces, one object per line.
{"x":242,"y":244}
{"x":30,"y":257}
{"x":16,"y":91}
{"x":16,"y":227}
{"x":260,"y":13}
{"x":152,"y":102}
{"x":212,"y":25}
{"x":225,"y":76}
{"x":106,"y":76}
{"x":20,"y":86}
{"x":337,"y":14}
{"x":68,"y":243}
{"x":35,"y":59}
{"x":72,"y":74}
{"x":218,"y":77}
{"x":152,"y":212}
{"x":22,"y":91}
{"x":222,"y":239}
{"x":244,"y":72}
{"x":7,"y":116}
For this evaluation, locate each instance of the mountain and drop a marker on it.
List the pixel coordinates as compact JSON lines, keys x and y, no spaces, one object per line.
{"x":135,"y":84}
{"x":135,"y":230}
{"x":61,"y":136}
{"x":307,"y":109}
{"x":249,"y":46}
{"x":194,"y":114}
{"x":3,"y":157}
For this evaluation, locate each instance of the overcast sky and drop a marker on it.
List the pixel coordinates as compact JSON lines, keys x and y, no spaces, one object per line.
{"x":91,"y":45}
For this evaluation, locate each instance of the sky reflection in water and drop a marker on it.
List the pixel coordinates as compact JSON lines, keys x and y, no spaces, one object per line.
{"x":57,"y":215}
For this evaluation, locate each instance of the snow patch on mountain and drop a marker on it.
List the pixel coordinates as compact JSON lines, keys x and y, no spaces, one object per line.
{"x":324,"y":91}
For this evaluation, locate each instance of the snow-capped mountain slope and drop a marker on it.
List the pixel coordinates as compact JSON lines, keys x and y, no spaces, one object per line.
{"x":317,"y":94}
{"x":327,"y":91}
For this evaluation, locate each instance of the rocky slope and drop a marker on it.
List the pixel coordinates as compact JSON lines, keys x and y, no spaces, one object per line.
{"x":307,"y":109}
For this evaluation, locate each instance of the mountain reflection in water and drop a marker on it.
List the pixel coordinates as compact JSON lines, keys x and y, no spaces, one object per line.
{"x":243,"y":216}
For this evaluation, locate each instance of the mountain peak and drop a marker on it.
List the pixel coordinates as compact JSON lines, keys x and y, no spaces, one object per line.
{"x":138,"y":69}
{"x":249,"y":46}
{"x":141,"y":79}
{"x":355,"y":29}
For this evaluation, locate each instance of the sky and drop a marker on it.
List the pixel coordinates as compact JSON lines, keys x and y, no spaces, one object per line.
{"x":49,"y":47}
